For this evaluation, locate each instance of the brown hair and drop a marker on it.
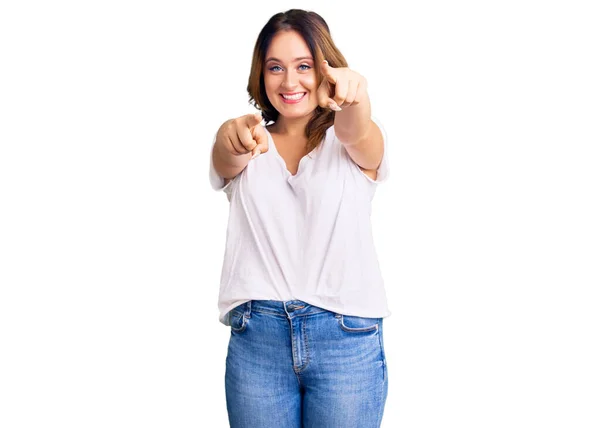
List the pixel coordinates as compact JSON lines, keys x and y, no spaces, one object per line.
{"x":315,"y":32}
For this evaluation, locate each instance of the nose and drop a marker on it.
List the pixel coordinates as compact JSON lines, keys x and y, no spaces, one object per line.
{"x":289,"y":80}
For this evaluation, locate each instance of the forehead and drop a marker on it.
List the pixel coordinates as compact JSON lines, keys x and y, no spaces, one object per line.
{"x":287,"y":45}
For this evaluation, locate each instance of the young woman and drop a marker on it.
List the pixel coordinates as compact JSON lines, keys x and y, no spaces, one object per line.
{"x":301,"y":287}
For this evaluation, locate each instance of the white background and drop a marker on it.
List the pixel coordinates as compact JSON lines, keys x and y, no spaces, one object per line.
{"x":111,"y":239}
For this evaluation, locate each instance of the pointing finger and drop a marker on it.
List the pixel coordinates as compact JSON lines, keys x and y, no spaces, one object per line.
{"x":253,"y":119}
{"x":328,"y":72}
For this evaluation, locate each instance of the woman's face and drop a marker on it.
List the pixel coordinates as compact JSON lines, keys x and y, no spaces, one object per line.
{"x":289,"y":70}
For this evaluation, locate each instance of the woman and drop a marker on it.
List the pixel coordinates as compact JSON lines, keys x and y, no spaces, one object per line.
{"x":300,"y":284}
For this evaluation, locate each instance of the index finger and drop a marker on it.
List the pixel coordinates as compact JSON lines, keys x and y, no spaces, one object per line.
{"x":328,"y":71}
{"x":253,"y":119}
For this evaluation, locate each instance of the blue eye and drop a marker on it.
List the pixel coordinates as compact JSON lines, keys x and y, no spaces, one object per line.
{"x":302,"y":65}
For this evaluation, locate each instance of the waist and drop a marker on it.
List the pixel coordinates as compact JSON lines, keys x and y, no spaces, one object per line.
{"x":279,"y":307}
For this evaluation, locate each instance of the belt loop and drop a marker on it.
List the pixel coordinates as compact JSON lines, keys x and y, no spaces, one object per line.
{"x":248,"y":312}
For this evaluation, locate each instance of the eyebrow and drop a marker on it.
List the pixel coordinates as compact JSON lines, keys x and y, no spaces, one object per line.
{"x":295,"y":59}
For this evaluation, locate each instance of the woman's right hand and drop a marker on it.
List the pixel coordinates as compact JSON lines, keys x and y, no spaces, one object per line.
{"x":243,"y":135}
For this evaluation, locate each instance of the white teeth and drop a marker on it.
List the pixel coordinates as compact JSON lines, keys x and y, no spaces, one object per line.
{"x":293,"y":97}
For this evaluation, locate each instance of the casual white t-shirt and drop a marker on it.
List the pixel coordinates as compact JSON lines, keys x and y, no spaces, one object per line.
{"x":305,"y":236}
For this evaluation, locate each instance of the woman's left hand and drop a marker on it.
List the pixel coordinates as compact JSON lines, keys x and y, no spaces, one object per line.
{"x":341,"y":87}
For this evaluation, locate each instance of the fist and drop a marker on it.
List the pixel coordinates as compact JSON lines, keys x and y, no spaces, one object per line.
{"x":244,"y":135}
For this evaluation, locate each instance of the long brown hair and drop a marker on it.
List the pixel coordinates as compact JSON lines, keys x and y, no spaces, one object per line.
{"x":315,"y":32}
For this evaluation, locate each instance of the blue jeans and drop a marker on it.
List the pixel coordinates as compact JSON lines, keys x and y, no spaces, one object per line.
{"x":294,"y":365}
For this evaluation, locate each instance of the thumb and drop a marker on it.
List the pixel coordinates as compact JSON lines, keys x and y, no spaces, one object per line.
{"x":323,"y":98}
{"x":262,"y":141}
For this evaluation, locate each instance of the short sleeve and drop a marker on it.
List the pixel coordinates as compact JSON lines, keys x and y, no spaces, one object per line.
{"x":216,"y":181}
{"x":383,"y":171}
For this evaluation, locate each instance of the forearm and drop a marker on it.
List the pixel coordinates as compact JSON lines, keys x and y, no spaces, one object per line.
{"x":352,"y":124}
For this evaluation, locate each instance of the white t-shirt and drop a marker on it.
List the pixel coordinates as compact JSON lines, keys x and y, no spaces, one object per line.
{"x":305,"y":236}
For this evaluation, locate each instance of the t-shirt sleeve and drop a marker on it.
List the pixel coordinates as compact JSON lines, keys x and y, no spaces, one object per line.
{"x":216,"y":181}
{"x":383,"y":171}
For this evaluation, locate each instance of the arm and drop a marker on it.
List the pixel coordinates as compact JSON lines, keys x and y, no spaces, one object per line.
{"x":360,"y":136}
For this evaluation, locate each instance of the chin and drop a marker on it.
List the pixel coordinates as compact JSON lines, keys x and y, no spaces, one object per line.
{"x":295,"y":115}
{"x":286,"y":111}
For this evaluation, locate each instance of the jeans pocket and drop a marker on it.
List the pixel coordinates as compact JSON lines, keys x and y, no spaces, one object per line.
{"x":238,"y":321}
{"x":356,"y":324}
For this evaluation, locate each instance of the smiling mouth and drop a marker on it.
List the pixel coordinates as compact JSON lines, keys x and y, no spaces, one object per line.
{"x":295,"y":97}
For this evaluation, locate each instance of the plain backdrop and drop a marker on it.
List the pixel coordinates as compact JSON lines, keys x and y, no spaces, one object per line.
{"x":111,"y":238}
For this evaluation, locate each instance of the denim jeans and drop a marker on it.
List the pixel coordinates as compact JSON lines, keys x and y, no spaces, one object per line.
{"x":294,"y":365}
